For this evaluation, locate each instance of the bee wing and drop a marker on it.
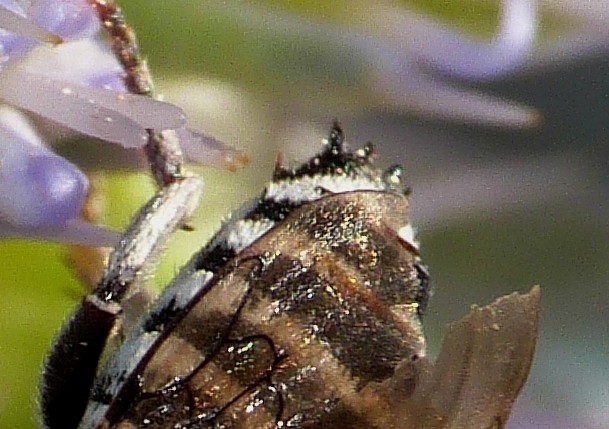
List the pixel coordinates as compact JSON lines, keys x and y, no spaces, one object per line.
{"x":181,"y":367}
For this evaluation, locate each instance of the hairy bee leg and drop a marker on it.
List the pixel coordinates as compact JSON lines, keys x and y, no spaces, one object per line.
{"x":149,"y":231}
{"x":72,"y":364}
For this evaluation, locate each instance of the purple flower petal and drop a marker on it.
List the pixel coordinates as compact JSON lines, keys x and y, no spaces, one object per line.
{"x":453,"y":55}
{"x":206,"y":150}
{"x":38,"y":188}
{"x":13,"y":21}
{"x":42,"y":194}
{"x":76,"y":231}
{"x":403,"y":87}
{"x":13,"y":6}
{"x":119,"y":118}
{"x":108,"y":81}
{"x":58,"y":189}
{"x":43,"y":21}
{"x":71,"y":19}
{"x":96,"y":65}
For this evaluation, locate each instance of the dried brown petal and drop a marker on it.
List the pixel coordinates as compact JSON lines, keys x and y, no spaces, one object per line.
{"x":484,"y":362}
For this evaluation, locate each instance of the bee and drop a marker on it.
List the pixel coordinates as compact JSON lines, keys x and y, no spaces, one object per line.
{"x":297,"y":304}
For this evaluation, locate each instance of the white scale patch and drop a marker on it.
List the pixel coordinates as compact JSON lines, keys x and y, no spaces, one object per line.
{"x":407,"y":233}
{"x":307,"y":189}
{"x":239,"y":233}
{"x":121,"y":366}
{"x":245,"y":232}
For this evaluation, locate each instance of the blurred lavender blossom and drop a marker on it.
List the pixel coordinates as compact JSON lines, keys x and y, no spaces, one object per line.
{"x":402,"y":60}
{"x":421,"y":62}
{"x":55,"y":66}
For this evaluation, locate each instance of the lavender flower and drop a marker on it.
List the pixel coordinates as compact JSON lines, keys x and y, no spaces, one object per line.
{"x":403,"y":60}
{"x":422,"y":60}
{"x":55,"y":66}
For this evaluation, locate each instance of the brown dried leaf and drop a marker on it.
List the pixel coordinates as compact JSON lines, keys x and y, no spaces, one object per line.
{"x":483,"y":365}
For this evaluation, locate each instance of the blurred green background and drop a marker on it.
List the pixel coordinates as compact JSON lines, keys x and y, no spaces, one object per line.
{"x":242,"y":87}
